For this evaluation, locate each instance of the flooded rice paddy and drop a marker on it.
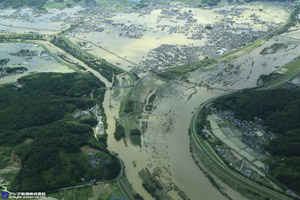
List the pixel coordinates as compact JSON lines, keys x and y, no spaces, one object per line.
{"x":244,"y":71}
{"x":165,"y":142}
{"x":32,"y":20}
{"x":161,"y":27}
{"x":40,"y":63}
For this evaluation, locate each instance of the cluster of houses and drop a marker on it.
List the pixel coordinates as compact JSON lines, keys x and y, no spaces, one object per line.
{"x":236,"y":163}
{"x":95,"y":159}
{"x":254,"y":134}
{"x":220,"y":37}
{"x":95,"y":162}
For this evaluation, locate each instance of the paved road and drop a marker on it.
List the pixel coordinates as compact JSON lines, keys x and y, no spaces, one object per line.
{"x":228,"y":170}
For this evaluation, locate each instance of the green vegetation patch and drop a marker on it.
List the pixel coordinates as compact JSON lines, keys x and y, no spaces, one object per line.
{"x":136,"y":140}
{"x":184,"y":69}
{"x":9,"y":176}
{"x":119,"y":132}
{"x":12,"y":70}
{"x":279,"y":108}
{"x":106,"y":69}
{"x":4,"y":161}
{"x":292,"y":21}
{"x":3,"y":61}
{"x":135,"y":132}
{"x":273,"y":48}
{"x":97,"y":191}
{"x":130,"y":105}
{"x":276,"y":79}
{"x":153,"y":186}
{"x":41,"y":111}
{"x":84,"y":193}
{"x":32,"y":36}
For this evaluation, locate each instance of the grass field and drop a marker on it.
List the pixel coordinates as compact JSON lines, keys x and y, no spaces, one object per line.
{"x":104,"y":191}
{"x":74,"y":194}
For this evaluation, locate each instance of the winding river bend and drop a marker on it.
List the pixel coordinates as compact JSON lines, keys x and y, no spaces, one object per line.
{"x":165,"y":143}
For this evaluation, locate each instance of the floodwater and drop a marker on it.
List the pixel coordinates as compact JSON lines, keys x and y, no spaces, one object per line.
{"x":33,"y":64}
{"x":25,"y":20}
{"x":157,"y":26}
{"x":167,"y":136}
{"x":165,"y":143}
{"x":133,"y":49}
{"x":128,"y":153}
{"x":245,"y":71}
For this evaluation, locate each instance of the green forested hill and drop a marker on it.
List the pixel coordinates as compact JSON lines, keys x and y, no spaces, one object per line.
{"x":280,"y":110}
{"x":37,"y":125}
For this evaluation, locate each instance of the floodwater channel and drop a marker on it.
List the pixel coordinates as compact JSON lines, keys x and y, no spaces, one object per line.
{"x":165,"y":147}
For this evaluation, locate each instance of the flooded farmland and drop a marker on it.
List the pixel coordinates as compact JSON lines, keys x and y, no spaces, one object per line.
{"x":33,"y":20}
{"x":165,"y":143}
{"x":155,"y":39}
{"x":161,"y":37}
{"x":40,"y":62}
{"x":244,"y":71}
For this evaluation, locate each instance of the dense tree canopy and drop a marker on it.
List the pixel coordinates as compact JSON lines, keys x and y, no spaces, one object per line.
{"x":36,"y":121}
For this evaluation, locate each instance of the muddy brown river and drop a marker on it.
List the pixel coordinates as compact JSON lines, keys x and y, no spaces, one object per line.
{"x":165,"y":144}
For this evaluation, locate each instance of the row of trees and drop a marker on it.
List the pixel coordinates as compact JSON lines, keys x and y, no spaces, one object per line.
{"x":32,"y":36}
{"x":106,"y":69}
{"x":182,"y":70}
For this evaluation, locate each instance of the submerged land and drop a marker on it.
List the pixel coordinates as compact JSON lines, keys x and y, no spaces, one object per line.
{"x":147,"y":83}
